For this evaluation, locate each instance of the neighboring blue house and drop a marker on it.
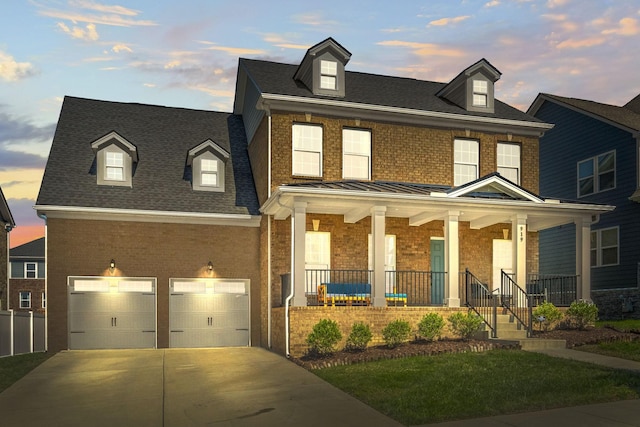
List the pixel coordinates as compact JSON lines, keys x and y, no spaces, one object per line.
{"x":592,"y":156}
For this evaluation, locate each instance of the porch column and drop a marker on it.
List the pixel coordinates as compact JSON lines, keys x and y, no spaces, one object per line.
{"x":519,"y":236}
{"x":298,"y":230}
{"x":452,"y":258}
{"x":377,"y":243}
{"x":583,"y":257}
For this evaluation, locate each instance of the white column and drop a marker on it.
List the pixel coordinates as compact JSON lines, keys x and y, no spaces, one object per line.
{"x":583,"y":257}
{"x":299,"y":228}
{"x":377,"y":243}
{"x":452,"y":258}
{"x":519,"y":240}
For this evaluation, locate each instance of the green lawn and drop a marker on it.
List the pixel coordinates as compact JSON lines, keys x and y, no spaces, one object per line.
{"x":429,"y":389}
{"x":12,"y":368}
{"x":621,"y":349}
{"x":621,"y":325}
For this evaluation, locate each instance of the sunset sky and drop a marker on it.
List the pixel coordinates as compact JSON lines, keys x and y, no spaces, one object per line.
{"x":185,"y":53}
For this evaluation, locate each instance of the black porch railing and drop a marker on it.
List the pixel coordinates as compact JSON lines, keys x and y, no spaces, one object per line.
{"x":559,"y":289}
{"x":417,"y":288}
{"x":480,"y":299}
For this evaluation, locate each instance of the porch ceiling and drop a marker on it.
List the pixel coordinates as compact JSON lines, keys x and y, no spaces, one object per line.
{"x":422,"y":208}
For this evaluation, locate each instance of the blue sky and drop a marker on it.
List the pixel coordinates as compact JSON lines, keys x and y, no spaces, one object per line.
{"x":185,"y":53}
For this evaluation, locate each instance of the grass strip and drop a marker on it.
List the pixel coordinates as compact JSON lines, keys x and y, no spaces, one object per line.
{"x":12,"y":368}
{"x":629,"y":350}
{"x":419,"y":390}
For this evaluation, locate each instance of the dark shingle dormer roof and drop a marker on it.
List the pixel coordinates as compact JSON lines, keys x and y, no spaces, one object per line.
{"x":163,"y":137}
{"x":371,"y":89}
{"x":623,"y":116}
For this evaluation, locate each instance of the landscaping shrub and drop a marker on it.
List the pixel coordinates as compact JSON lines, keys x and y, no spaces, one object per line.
{"x":547,"y":314}
{"x":396,"y":333}
{"x":465,"y":325}
{"x":359,"y":337}
{"x":430,"y":327}
{"x":324,"y":337}
{"x":582,"y":314}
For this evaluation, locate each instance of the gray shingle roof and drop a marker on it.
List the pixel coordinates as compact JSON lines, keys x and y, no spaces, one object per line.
{"x":624,"y":116}
{"x":5,"y":212}
{"x":372,"y":89}
{"x":32,"y":249}
{"x":163,"y":136}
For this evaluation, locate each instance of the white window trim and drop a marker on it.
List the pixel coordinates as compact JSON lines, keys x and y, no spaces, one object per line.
{"x":345,"y":153}
{"x":519,"y":168}
{"x":321,"y":263}
{"x":332,"y":76}
{"x":27,"y":300}
{"x":599,"y":248}
{"x":27,"y":270}
{"x":44,"y":300}
{"x":596,"y":174}
{"x":484,"y":93}
{"x":477,"y":164}
{"x":294,"y":150}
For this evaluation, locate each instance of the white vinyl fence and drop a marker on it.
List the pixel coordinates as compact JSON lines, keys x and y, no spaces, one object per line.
{"x":21,"y":332}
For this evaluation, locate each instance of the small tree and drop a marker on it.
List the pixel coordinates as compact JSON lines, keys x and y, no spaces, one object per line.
{"x":465,"y":325}
{"x":324,"y":337}
{"x":430,"y":327}
{"x":396,"y":333}
{"x":582,"y":313}
{"x":359,"y":337}
{"x":547,"y":314}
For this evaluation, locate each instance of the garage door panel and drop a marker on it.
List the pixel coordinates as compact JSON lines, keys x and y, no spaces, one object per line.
{"x":112,"y":313}
{"x":213,"y":313}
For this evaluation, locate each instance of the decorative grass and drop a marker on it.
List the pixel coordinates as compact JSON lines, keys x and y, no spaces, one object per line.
{"x":419,"y":390}
{"x":12,"y":368}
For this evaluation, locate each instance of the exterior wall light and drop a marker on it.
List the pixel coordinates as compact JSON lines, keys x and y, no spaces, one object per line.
{"x":112,"y":265}
{"x":210,"y":266}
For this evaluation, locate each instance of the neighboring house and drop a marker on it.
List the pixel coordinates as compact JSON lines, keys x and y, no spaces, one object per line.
{"x":592,"y":155}
{"x":26,"y":277}
{"x":320,"y":175}
{"x":6,"y":225}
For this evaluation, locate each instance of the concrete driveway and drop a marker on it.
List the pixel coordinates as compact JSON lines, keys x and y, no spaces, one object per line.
{"x":178,"y":388}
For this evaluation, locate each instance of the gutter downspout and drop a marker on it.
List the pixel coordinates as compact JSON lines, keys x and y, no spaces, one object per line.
{"x":290,"y":296}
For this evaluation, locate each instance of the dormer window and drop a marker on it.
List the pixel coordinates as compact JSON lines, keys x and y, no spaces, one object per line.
{"x":115,"y":160}
{"x":208,"y":165}
{"x":322,"y":69}
{"x":480,"y":93}
{"x":328,"y":74}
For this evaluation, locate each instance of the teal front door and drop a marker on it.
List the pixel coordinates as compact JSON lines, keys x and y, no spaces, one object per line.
{"x":437,"y":271}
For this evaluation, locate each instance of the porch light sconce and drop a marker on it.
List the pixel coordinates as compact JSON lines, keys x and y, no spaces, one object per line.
{"x":112,"y":265}
{"x":210,"y":266}
{"x":316,"y":224}
{"x":505,"y":233}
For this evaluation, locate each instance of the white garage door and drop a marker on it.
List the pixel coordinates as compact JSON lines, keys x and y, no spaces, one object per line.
{"x":110,"y":313}
{"x":209,"y":313}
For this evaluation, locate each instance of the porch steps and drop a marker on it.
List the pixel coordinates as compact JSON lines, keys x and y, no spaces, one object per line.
{"x":509,"y":328}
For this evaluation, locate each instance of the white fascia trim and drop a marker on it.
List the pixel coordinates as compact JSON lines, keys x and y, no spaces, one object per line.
{"x":274,"y":201}
{"x":288,"y":99}
{"x":500,"y":182}
{"x":110,"y":214}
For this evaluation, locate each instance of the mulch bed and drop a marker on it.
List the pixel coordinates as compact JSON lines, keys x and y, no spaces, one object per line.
{"x":423,"y":348}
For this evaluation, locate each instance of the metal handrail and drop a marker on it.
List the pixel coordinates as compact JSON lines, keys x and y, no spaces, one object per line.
{"x":516,"y":301}
{"x":481,"y":300}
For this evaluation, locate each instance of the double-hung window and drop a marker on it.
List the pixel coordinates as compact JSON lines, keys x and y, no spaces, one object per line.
{"x":328,"y":74}
{"x":356,"y":154}
{"x":466,"y":157}
{"x":597,"y":174}
{"x":480,"y":93}
{"x":604,"y":247}
{"x":509,"y":161}
{"x":114,"y":163}
{"x":25,"y":299}
{"x":307,"y":150}
{"x":209,"y":173}
{"x":30,"y":270}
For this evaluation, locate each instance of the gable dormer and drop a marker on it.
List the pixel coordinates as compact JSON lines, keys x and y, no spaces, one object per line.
{"x":208,"y":165}
{"x":473,"y":88}
{"x":115,"y":159}
{"x":322,"y":68}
